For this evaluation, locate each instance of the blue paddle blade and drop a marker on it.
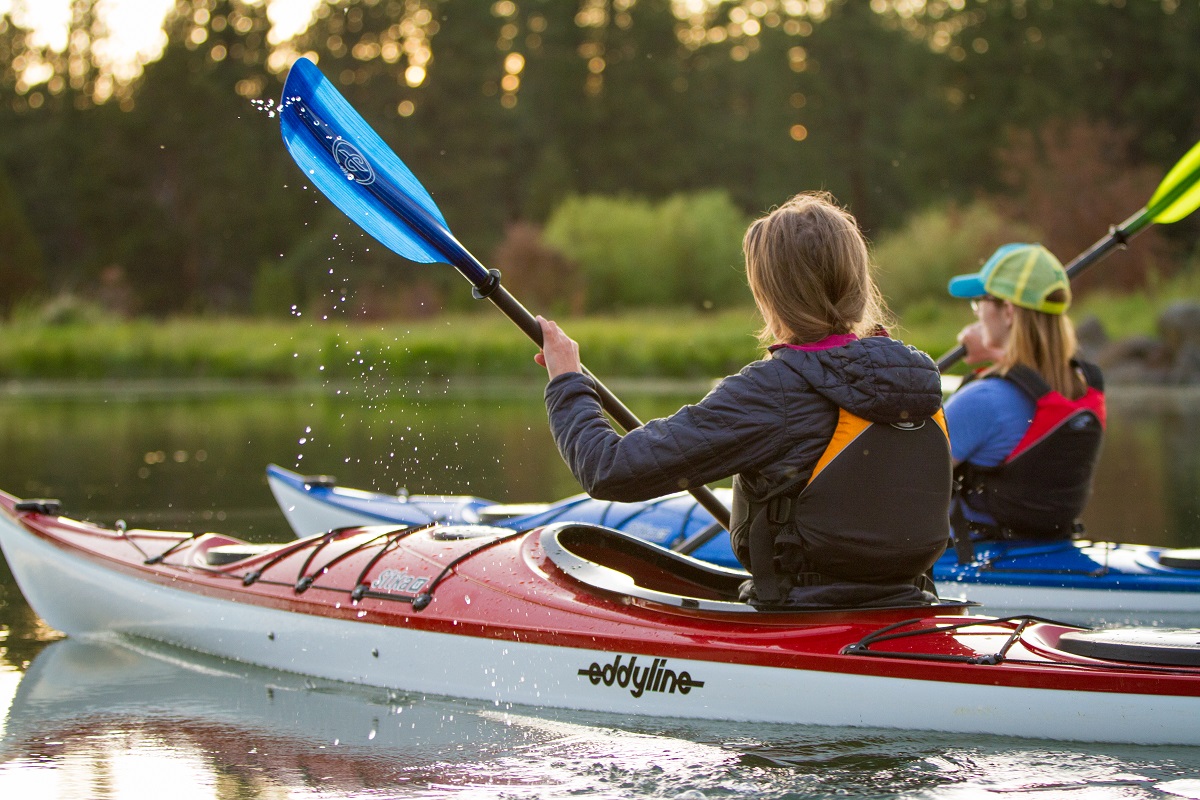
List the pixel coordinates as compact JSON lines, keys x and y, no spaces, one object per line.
{"x":355,"y":169}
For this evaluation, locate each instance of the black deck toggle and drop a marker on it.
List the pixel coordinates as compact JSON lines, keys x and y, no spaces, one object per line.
{"x":52,"y":508}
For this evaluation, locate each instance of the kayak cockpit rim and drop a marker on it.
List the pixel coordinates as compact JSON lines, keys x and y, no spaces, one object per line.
{"x":642,"y":572}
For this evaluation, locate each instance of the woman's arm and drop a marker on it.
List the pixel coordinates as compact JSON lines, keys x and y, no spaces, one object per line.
{"x":736,"y":427}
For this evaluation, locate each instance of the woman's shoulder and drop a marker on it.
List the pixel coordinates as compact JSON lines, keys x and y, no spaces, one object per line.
{"x":895,"y":351}
{"x":759,"y":377}
{"x":765,"y":383}
{"x":759,"y":369}
{"x":782,"y":370}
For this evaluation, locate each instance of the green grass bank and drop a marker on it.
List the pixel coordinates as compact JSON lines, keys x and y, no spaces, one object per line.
{"x":674,"y":344}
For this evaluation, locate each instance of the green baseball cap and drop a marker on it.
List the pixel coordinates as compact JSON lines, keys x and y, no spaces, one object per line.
{"x":1024,"y":274}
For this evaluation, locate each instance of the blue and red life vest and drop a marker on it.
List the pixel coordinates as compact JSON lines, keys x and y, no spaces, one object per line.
{"x":1041,"y":487}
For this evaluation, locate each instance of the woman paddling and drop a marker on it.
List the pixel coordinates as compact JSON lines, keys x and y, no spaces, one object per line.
{"x":835,"y":439}
{"x":1026,"y":431}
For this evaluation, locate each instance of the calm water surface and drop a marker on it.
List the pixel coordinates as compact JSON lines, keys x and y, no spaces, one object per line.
{"x":107,"y":720}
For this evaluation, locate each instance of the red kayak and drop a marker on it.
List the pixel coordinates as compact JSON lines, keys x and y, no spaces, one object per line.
{"x":579,"y":616}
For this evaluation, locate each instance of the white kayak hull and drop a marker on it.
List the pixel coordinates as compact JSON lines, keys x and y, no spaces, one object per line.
{"x":81,"y":596}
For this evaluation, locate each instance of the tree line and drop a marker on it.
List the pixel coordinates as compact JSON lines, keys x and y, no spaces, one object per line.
{"x":172,"y":192}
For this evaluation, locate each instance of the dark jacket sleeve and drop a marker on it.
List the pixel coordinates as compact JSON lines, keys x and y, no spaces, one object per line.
{"x":741,"y":423}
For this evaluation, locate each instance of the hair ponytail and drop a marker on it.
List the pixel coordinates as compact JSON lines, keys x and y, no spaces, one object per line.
{"x":1047,"y":343}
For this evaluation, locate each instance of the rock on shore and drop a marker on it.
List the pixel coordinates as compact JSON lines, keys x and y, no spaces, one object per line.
{"x":1171,"y":359}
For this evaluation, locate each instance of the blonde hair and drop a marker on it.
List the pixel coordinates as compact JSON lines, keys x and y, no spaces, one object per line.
{"x":810,"y":272}
{"x":1045,"y":342}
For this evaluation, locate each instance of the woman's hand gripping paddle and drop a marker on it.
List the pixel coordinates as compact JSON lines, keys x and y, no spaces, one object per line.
{"x":351,"y":165}
{"x":1176,"y":197}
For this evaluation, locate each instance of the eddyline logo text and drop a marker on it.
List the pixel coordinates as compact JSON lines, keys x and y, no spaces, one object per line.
{"x":654,"y":678}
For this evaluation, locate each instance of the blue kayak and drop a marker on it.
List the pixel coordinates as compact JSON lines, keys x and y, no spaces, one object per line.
{"x":1094,"y":581}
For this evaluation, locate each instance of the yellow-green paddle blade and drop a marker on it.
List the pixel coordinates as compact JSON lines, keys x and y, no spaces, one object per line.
{"x":1179,"y":193}
{"x":1177,"y":196}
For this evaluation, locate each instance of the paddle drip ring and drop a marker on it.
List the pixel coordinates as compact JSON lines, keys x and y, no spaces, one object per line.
{"x":483,"y":290}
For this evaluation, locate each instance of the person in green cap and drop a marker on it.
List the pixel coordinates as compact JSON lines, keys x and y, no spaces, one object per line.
{"x":1025,"y":432}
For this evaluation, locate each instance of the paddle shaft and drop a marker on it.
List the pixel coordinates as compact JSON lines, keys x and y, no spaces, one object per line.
{"x":1117,"y":238}
{"x":689,"y":546}
{"x":509,"y":305}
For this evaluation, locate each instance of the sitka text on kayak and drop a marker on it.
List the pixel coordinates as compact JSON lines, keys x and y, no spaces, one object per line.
{"x":391,"y":580}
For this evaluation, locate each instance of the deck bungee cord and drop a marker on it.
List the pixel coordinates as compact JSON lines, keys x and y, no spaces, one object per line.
{"x":423,"y":600}
{"x":1161,"y":657}
{"x":308,"y":575}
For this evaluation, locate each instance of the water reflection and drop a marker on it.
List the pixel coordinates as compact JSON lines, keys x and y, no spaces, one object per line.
{"x":198,"y":462}
{"x":106,"y":721}
{"x":118,"y":720}
{"x":1147,"y":487}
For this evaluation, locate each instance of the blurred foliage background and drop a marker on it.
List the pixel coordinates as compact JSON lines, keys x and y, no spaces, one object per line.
{"x":604,"y":154}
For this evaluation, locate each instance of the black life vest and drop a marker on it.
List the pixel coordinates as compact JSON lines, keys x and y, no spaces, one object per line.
{"x":1042,"y":486}
{"x":873,"y":512}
